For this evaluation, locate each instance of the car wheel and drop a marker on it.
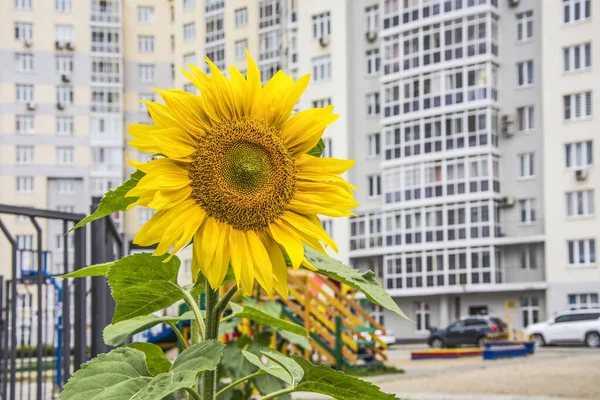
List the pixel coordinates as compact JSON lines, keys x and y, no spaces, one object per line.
{"x":480,"y":341}
{"x":538,"y":340}
{"x":437,"y":343}
{"x":592,"y":339}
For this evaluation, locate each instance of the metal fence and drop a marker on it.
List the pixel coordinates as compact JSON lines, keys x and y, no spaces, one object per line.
{"x":50,"y":326}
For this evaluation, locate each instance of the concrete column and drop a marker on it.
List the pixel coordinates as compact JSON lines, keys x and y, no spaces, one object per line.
{"x":444,"y":311}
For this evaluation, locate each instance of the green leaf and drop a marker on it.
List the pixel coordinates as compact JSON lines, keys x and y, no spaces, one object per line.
{"x":293,"y":369}
{"x":184,"y":373}
{"x":294,"y":339}
{"x":115,"y":334}
{"x":156,"y":362}
{"x":317,"y":151}
{"x":119,"y":374}
{"x":365,"y":283}
{"x":260,"y":316}
{"x":113,"y":200}
{"x":142,"y":284}
{"x":92,"y":270}
{"x":325,"y":380}
{"x":271,"y":367}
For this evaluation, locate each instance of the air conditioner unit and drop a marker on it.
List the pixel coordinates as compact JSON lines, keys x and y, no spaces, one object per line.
{"x":581,"y":174}
{"x":65,"y":78}
{"x":513,"y":3}
{"x":507,"y":125}
{"x":324,"y":41}
{"x":30,"y":106}
{"x":60,"y":106}
{"x":371,"y":36}
{"x":58,"y":45}
{"x":508,"y":201}
{"x":28,"y":43}
{"x":70,"y":46}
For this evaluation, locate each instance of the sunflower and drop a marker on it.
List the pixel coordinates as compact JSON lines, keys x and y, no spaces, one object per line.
{"x":234,"y":177}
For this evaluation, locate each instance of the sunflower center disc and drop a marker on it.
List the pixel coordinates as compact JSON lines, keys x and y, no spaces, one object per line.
{"x":242,"y":174}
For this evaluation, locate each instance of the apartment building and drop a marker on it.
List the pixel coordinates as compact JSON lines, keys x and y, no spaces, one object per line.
{"x":571,"y":59}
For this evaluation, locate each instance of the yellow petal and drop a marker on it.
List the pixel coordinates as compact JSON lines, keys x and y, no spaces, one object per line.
{"x":289,"y":240}
{"x":303,"y":131}
{"x":280,"y":272}
{"x":310,"y":227}
{"x":263,"y":270}
{"x":244,"y":274}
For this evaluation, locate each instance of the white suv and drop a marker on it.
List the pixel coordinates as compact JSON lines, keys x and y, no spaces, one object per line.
{"x":581,"y":326}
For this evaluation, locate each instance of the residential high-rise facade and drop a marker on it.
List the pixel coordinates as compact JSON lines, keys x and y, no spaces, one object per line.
{"x":571,"y":81}
{"x":477,"y":187}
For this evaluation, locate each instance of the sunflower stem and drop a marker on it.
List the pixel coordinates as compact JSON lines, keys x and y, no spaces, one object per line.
{"x":179,"y":335}
{"x":225,"y":300}
{"x":209,"y":378}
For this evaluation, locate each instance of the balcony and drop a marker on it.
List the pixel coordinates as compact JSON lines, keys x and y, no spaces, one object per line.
{"x":105,"y":11}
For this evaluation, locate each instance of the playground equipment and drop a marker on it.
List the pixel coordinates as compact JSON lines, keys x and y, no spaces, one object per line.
{"x":432,"y":354}
{"x":340,"y":331}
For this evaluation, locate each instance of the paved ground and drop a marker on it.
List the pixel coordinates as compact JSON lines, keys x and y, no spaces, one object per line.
{"x":553,"y":373}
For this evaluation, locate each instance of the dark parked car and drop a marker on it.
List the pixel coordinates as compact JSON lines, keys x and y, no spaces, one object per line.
{"x":470,"y":330}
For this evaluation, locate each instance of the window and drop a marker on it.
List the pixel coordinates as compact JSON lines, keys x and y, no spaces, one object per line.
{"x":64,"y":156}
{"x":321,"y":25}
{"x":373,"y":104}
{"x":63,"y":33}
{"x":146,"y":44}
{"x":526,"y":165}
{"x":64,"y":126}
{"x":66,"y":209}
{"x":527,"y":210}
{"x":189,"y":58}
{"x":145,"y":14}
{"x":64,"y":6}
{"x":582,"y":252}
{"x":580,"y":203}
{"x":64,"y":64}
{"x":187,"y":267}
{"x":23,"y":31}
{"x":105,"y":99}
{"x":577,"y":58}
{"x":422,"y":316}
{"x":582,"y":301}
{"x":189,"y":5}
{"x":216,"y":53}
{"x":147,"y":72}
{"x":24,"y":124}
{"x":373,"y":62}
{"x":525,"y":119}
{"x":60,"y":239}
{"x":190,"y":88}
{"x":241,"y":17}
{"x":328,"y":227}
{"x":23,"y":4}
{"x":25,"y":93}
{"x":24,"y":154}
{"x":143,"y":97}
{"x":528,"y":259}
{"x":23,"y":62}
{"x":530,"y":310}
{"x":321,"y":68}
{"x":576,"y":10}
{"x":579,"y":154}
{"x":577,"y":106}
{"x":524,"y":26}
{"x":106,"y":40}
{"x":328,"y":150}
{"x":145,"y":214}
{"x":240,"y":49}
{"x":374,"y":182}
{"x":374,"y":145}
{"x":65,"y":186}
{"x":372,"y":18}
{"x":214,"y":29}
{"x":64,"y":94}
{"x":25,"y":242}
{"x":24,"y":184}
{"x":525,"y":73}
{"x":189,"y":32}
{"x":320,"y":103}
